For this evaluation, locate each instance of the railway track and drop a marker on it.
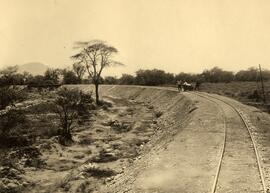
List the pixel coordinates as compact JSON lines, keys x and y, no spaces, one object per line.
{"x":246,"y":125}
{"x":249,"y":148}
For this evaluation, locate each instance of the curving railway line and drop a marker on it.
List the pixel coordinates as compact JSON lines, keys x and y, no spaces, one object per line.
{"x":239,"y":168}
{"x":215,"y":153}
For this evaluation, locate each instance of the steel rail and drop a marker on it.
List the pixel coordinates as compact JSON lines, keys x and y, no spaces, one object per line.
{"x":250,"y":134}
{"x":214,"y":186}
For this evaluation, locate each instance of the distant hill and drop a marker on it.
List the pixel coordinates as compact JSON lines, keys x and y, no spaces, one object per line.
{"x":35,"y":68}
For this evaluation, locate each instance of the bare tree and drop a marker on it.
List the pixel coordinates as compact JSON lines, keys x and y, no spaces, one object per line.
{"x":95,"y":55}
{"x":79,"y":70}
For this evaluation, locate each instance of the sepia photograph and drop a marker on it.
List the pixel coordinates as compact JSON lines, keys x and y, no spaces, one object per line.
{"x":134,"y":96}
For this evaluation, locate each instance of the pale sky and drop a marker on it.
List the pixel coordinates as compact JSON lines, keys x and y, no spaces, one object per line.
{"x":173,"y":35}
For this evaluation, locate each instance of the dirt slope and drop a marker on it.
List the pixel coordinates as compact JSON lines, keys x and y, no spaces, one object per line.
{"x":188,"y":163}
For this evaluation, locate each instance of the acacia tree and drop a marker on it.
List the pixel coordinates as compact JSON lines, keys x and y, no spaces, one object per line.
{"x":79,"y":70}
{"x":95,"y":55}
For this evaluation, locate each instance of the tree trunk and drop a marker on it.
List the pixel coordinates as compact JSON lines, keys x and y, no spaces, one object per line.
{"x":97,"y":95}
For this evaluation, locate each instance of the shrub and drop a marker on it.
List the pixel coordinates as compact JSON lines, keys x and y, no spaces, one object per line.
{"x":120,"y":127}
{"x":85,"y":104}
{"x":52,"y":76}
{"x":10,"y":121}
{"x":99,"y":172}
{"x":70,"y":103}
{"x":127,"y":79}
{"x":158,"y":114}
{"x":8,"y":76}
{"x":36,"y":80}
{"x":104,"y":157}
{"x":10,"y":95}
{"x":110,"y":80}
{"x":69,"y":77}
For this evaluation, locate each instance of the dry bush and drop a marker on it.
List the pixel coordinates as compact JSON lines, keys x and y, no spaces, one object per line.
{"x":12,"y":124}
{"x":9,"y":95}
{"x":120,"y":127}
{"x":105,"y":104}
{"x":99,"y":172}
{"x":86,"y":141}
{"x":42,"y":108}
{"x":105,"y":156}
{"x":69,"y":105}
{"x":93,"y":170}
{"x":84,"y":187}
{"x":158,"y":114}
{"x":10,"y":120}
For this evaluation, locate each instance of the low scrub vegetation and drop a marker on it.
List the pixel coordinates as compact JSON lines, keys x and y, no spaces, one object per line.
{"x":55,"y":113}
{"x":246,"y":92}
{"x":11,"y":123}
{"x":158,"y":114}
{"x":120,"y":127}
{"x":69,"y":104}
{"x":99,"y":172}
{"x":11,"y":120}
{"x":9,"y":95}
